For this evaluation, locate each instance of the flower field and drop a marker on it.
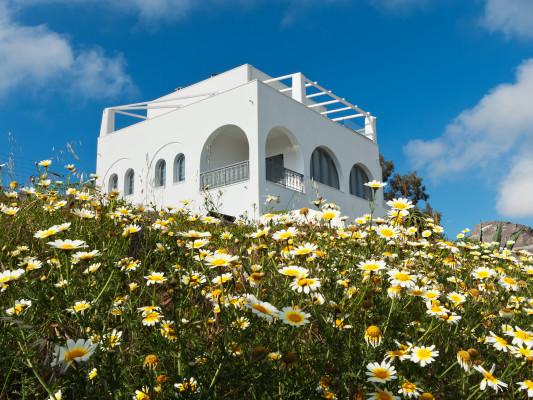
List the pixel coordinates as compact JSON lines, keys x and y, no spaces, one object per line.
{"x":103,"y":299}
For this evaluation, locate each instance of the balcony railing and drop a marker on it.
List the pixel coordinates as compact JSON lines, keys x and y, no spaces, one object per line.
{"x":290,"y":179}
{"x":225,"y":176}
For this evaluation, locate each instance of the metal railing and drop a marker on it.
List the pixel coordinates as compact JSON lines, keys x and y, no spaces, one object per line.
{"x":290,"y":179}
{"x":225,"y":175}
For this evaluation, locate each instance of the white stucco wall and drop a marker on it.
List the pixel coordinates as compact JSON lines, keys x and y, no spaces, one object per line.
{"x":310,"y":129}
{"x":271,"y":122}
{"x":185,"y":130}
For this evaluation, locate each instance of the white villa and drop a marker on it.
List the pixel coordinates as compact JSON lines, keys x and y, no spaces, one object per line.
{"x":238,"y":138}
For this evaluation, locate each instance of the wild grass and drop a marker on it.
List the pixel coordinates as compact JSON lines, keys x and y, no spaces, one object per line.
{"x":226,"y":323}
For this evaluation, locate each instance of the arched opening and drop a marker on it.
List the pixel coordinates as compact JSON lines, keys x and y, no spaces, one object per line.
{"x":225,"y":158}
{"x":179,"y":168}
{"x":113,"y":183}
{"x":160,"y":177}
{"x":284,"y":164}
{"x":129,"y":182}
{"x":323,"y":168}
{"x":358,"y":178}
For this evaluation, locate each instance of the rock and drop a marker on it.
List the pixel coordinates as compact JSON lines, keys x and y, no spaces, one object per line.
{"x":524,"y":241}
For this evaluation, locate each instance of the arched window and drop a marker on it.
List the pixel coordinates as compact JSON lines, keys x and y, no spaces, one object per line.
{"x":179,"y":168}
{"x":358,"y":178}
{"x":129,"y":182}
{"x":160,"y":173}
{"x":323,"y":168}
{"x":113,"y":183}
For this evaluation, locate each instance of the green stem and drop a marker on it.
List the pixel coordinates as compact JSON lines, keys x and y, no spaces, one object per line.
{"x":447,"y":370}
{"x":105,"y":286}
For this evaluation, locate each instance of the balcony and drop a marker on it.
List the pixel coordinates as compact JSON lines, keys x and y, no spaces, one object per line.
{"x":288,"y":178}
{"x":226,"y":175}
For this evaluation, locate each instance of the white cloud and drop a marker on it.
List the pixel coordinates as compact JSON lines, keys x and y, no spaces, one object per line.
{"x":35,"y":56}
{"x":515,"y":194}
{"x":512,"y":17}
{"x":488,"y":134}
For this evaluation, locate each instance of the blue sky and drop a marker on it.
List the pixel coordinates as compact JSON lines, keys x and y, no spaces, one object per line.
{"x":451,"y":81}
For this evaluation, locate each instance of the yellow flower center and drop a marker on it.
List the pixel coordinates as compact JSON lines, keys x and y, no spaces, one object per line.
{"x":381,"y":373}
{"x":74,"y":353}
{"x":402,"y":276}
{"x":261,"y":308}
{"x":295,"y":317}
{"x":423,"y":354}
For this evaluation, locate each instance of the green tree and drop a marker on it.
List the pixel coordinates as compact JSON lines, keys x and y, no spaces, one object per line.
{"x":410,"y":186}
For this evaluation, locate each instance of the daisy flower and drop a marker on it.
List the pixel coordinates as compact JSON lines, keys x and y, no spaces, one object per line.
{"x":19,"y":307}
{"x":220,"y":260}
{"x":372,"y":265}
{"x":400,"y":204}
{"x":151,"y":318}
{"x":193,"y":279}
{"x":305,"y":249}
{"x":68,"y":244}
{"x":401,"y":278}
{"x":409,"y":390}
{"x":483,"y":273}
{"x":373,"y":184}
{"x":221,"y":279}
{"x":423,"y":355}
{"x":387,"y":232}
{"x":489,"y":379}
{"x":464,"y":359}
{"x":520,"y":336}
{"x":293,"y":316}
{"x":527,"y":385}
{"x":305,"y":285}
{"x":80,"y":307}
{"x":497,"y":342}
{"x":155,"y":278}
{"x":380,"y":373}
{"x":285,"y":234}
{"x":294,"y":271}
{"x":373,"y":336}
{"x":79,"y":351}
{"x":189,"y":386}
{"x":261,"y":308}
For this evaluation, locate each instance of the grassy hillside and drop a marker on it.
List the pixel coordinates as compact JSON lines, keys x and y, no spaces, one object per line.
{"x":103,"y":299}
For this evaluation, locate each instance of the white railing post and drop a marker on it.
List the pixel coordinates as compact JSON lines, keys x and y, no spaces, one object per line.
{"x":298,"y":87}
{"x":370,"y":128}
{"x":108,"y":122}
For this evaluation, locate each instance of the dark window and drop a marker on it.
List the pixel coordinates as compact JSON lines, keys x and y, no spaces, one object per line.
{"x":113,"y":183}
{"x":323,"y":168}
{"x":160,"y":173}
{"x":358,"y":178}
{"x":129,"y":182}
{"x":179,"y":168}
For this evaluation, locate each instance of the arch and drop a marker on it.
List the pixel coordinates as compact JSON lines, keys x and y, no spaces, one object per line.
{"x":179,"y":168}
{"x":129,"y":182}
{"x":226,"y":146}
{"x":160,"y":177}
{"x":324,"y":167}
{"x":281,"y":141}
{"x":358,"y":177}
{"x":113,"y":183}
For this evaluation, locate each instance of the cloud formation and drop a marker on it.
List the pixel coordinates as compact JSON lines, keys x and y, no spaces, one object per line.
{"x":495,"y":131}
{"x":512,"y":17}
{"x":35,"y":56}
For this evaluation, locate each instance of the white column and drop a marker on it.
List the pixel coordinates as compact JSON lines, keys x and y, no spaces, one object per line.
{"x":298,"y":87}
{"x":108,"y":122}
{"x":370,"y":128}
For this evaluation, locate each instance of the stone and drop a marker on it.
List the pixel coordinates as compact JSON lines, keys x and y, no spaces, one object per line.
{"x":524,"y":241}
